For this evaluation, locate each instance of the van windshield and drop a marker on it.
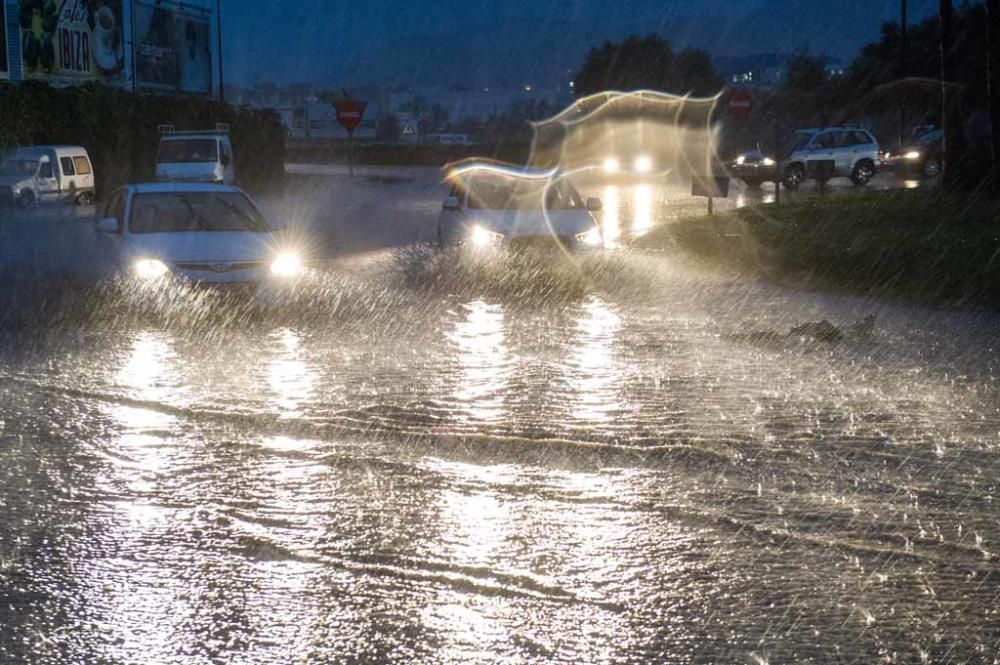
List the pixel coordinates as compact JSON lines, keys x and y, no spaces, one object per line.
{"x":186,"y":212}
{"x":19,"y":167}
{"x":185,"y":151}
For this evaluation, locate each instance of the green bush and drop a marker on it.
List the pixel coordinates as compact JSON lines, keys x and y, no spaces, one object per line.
{"x":119,"y":129}
{"x":923,"y":245}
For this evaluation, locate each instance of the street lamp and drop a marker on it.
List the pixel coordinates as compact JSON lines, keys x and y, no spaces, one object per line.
{"x":218,"y":29}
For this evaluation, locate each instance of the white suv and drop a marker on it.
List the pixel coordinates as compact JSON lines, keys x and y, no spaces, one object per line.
{"x":850,"y":152}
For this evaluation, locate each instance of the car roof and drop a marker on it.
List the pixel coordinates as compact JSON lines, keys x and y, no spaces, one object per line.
{"x":38,"y":150}
{"x":180,"y":188}
{"x":194,"y":135}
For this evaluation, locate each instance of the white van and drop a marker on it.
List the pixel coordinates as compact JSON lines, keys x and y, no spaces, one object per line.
{"x":195,"y":156}
{"x":47,"y":173}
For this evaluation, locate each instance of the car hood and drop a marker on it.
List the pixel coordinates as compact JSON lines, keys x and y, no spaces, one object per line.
{"x":209,"y":247}
{"x":528,"y":223}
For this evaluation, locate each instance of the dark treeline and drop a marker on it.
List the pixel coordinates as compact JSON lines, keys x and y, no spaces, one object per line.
{"x":119,"y":129}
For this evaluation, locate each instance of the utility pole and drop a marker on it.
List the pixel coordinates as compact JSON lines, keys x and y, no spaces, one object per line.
{"x":218,"y":26}
{"x":993,"y":84}
{"x":902,"y":68}
{"x":951,"y":122}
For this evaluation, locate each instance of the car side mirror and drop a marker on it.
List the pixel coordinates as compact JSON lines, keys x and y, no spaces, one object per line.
{"x":451,"y":204}
{"x":594,"y":204}
{"x":108,"y":225}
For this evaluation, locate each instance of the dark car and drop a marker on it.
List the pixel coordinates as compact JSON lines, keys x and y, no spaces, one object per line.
{"x":754,"y":168}
{"x":922,"y":156}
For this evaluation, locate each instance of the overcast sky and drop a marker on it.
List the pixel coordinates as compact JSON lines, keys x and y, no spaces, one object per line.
{"x":324,"y":41}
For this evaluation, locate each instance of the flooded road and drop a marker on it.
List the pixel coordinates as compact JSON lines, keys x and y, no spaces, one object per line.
{"x":432,"y":459}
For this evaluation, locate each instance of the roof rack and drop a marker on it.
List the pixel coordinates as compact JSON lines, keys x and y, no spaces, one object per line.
{"x":220,"y":128}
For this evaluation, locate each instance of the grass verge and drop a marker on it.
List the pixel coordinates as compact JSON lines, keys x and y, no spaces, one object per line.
{"x":922,"y":246}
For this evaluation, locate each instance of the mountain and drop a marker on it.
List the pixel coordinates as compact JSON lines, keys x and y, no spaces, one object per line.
{"x":548,"y":51}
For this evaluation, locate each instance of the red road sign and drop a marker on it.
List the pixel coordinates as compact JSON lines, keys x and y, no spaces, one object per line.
{"x":349,"y":113}
{"x":740,"y":104}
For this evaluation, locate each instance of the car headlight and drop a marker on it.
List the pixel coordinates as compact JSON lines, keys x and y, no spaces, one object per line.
{"x":643,"y":164}
{"x":741,"y":160}
{"x":480,"y":237}
{"x":286,"y":265}
{"x":767,"y":161}
{"x":911,"y":155}
{"x":591,"y":238}
{"x":611,"y":165}
{"x":150,"y":269}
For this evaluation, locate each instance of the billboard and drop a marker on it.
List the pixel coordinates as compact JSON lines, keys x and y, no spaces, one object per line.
{"x":4,"y":68}
{"x":173,"y":50}
{"x":72,"y":41}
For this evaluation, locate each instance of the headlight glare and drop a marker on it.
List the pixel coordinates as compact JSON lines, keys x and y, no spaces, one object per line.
{"x":480,"y":237}
{"x":591,"y":238}
{"x":611,"y":165}
{"x":150,"y":269}
{"x":286,"y":265}
{"x":643,"y":164}
{"x":912,"y":155}
{"x":767,"y":161}
{"x":741,"y":160}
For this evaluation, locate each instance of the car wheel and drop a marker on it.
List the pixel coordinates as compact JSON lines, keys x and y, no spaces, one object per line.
{"x":932,"y":167}
{"x":85,"y":199}
{"x":26,"y":199}
{"x":794,"y":176}
{"x":863,"y":172}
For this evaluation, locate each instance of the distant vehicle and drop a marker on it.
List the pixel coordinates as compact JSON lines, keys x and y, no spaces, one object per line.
{"x":853,"y":151}
{"x":447,"y":139}
{"x":631,"y":165}
{"x":47,"y":173}
{"x":195,"y":156}
{"x":754,"y":167}
{"x":921,"y":156}
{"x":492,"y":208}
{"x":194,"y":232}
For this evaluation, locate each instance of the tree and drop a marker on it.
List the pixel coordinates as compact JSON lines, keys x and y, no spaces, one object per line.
{"x":647,"y":63}
{"x":388,"y":129}
{"x":807,"y":91}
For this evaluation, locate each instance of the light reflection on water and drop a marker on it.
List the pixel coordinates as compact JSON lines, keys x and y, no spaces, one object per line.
{"x":595,"y":378}
{"x":290,"y":377}
{"x":480,"y":343}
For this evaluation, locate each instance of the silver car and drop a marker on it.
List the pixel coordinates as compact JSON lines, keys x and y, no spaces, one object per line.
{"x":498,"y":208}
{"x":832,"y":152}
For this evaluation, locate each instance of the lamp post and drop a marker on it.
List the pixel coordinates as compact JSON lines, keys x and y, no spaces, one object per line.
{"x":218,"y":29}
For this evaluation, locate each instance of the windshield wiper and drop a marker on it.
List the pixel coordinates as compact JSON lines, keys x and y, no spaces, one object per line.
{"x":252,"y":224}
{"x":195,"y":217}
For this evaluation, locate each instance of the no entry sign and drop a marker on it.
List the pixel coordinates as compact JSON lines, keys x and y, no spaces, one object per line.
{"x":740,"y":104}
{"x":349,"y":113}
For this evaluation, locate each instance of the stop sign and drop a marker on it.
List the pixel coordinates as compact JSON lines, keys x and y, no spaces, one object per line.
{"x":349,"y":113}
{"x":740,"y":104}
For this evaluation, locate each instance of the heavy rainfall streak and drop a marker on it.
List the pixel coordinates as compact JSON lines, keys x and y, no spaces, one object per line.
{"x":680,"y":352}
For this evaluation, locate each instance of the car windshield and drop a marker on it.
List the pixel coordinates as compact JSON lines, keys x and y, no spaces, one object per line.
{"x":19,"y":167}
{"x":180,"y":151}
{"x":185,"y":212}
{"x":507,"y":193}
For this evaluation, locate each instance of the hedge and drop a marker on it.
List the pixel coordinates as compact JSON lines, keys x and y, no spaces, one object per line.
{"x":120,"y":129}
{"x":336,"y":151}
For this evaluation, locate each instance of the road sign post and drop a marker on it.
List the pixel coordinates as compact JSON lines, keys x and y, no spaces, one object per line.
{"x":740,"y":104}
{"x":349,"y":115}
{"x":821,"y":170}
{"x":710,"y":186}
